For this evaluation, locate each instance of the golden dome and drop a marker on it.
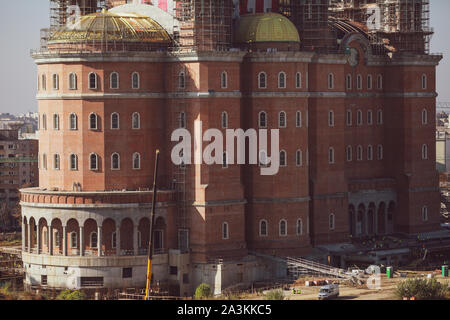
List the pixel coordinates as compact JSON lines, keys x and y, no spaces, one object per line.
{"x":108,"y":27}
{"x":266,"y":27}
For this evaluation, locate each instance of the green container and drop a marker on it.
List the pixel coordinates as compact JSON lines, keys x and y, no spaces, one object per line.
{"x":445,"y":271}
{"x":390,"y":272}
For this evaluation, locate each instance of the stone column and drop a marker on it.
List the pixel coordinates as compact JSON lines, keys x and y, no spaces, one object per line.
{"x":23,"y":236}
{"x":64,"y":245}
{"x":29,"y":237}
{"x":99,"y":240}
{"x":81,"y":241}
{"x":118,"y":241}
{"x":38,"y":238}
{"x":135,"y":240}
{"x":50,"y":240}
{"x":376,"y":222}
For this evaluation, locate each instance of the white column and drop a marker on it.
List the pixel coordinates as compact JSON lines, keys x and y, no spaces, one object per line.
{"x":135,"y":240}
{"x":29,"y":237}
{"x":23,"y":236}
{"x":81,"y":241}
{"x":50,"y":240}
{"x":38,"y":238}
{"x":99,"y":240}
{"x":64,"y":241}
{"x":118,"y":241}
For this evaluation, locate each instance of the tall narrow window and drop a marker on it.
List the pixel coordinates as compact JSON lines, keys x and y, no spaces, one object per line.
{"x":181,"y":80}
{"x":44,"y":161}
{"x":73,"y":119}
{"x":136,"y":161}
{"x":56,"y":162}
{"x":330,"y":81}
{"x":359,"y":82}
{"x":298,"y":158}
{"x":262,"y":119}
{"x":348,"y":82}
{"x":348,"y":118}
{"x":135,"y":81}
{"x":73,"y":81}
{"x":73,"y":240}
{"x":262,"y":81}
{"x":136,"y":121}
{"x":380,"y":152}
{"x":93,"y":163}
{"x":380,"y":116}
{"x":115,"y":121}
{"x":93,"y":121}
{"x":359,"y":153}
{"x":282,"y":119}
{"x":283,"y":228}
{"x":44,"y":121}
{"x":370,"y":153}
{"x":115,"y":161}
{"x":93,"y":239}
{"x":73,"y":162}
{"x":298,"y":119}
{"x":44,"y":82}
{"x":349,"y":152}
{"x":282,"y":80}
{"x":331,"y":155}
{"x":263,"y":228}
{"x":55,"y":78}
{"x":380,"y":82}
{"x":182,"y":120}
{"x":424,"y":152}
{"x":424,"y":116}
{"x":425,"y":214}
{"x":299,"y":227}
{"x":331,"y":118}
{"x":224,"y":120}
{"x":114,"y":80}
{"x":424,"y":81}
{"x":224,"y":80}
{"x":332,"y":221}
{"x":298,"y":80}
{"x":225,"y":231}
{"x":369,"y":117}
{"x":359,"y":117}
{"x":56,"y":122}
{"x":93,"y":81}
{"x":224,"y":160}
{"x":283,"y":158}
{"x":114,"y":240}
{"x":369,"y":82}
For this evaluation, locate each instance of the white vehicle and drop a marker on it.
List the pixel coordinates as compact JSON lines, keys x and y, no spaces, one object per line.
{"x":328,"y":292}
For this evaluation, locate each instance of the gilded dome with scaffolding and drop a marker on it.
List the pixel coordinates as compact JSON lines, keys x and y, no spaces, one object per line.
{"x":107,"y":30}
{"x":266,"y":27}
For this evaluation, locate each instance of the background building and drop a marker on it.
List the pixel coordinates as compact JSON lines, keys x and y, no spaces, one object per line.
{"x":355,"y":109}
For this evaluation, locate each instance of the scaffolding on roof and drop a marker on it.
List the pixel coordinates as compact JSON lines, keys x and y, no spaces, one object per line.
{"x":62,"y":10}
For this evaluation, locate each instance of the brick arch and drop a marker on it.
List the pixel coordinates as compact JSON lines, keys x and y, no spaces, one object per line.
{"x":126,"y":236}
{"x":144,"y":229}
{"x":108,"y":229}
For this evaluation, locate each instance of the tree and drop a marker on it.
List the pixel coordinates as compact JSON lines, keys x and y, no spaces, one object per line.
{"x":422,"y":289}
{"x":203,"y":291}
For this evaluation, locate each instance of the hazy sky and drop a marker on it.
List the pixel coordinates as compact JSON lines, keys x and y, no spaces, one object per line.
{"x":22,"y":20}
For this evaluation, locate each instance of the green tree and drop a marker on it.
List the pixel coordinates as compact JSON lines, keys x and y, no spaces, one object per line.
{"x":203,"y":291}
{"x":71,"y":295}
{"x":422,"y":289}
{"x":275,"y":295}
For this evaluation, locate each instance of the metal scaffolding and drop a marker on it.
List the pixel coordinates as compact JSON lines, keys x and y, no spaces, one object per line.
{"x":62,"y":10}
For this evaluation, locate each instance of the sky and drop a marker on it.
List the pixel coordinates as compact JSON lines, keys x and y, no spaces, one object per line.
{"x":20,"y":30}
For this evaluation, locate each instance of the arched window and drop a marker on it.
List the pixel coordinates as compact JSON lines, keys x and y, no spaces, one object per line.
{"x":93,"y":162}
{"x":55,"y":78}
{"x":225,"y":231}
{"x":114,"y":240}
{"x":348,"y":118}
{"x":298,"y":158}
{"x":380,"y":81}
{"x":299,"y":227}
{"x":282,"y":80}
{"x":331,"y":118}
{"x":56,"y":121}
{"x":380,"y":116}
{"x":424,"y":116}
{"x":136,"y":161}
{"x":224,"y":160}
{"x":73,"y":120}
{"x":298,"y":80}
{"x":283,"y":228}
{"x":283,"y":158}
{"x":262,"y":80}
{"x":182,"y":120}
{"x":181,"y":80}
{"x":424,"y":152}
{"x":370,"y":153}
{"x":136,"y":121}
{"x":56,"y":238}
{"x":73,"y":83}
{"x":369,"y":82}
{"x":331,"y":221}
{"x":359,"y":153}
{"x":44,"y":161}
{"x":44,"y":82}
{"x":93,"y":81}
{"x":380,"y":152}
{"x":224,"y":80}
{"x":369,"y":117}
{"x":93,"y":121}
{"x":56,"y":162}
{"x":349,"y":153}
{"x":348,"y":82}
{"x":114,"y":80}
{"x":263,"y":228}
{"x":424,"y":82}
{"x":330,"y":81}
{"x":135,"y":80}
{"x":359,"y":82}
{"x":73,"y":162}
{"x":44,"y":121}
{"x":115,"y":121}
{"x":359,"y":118}
{"x":73,"y":240}
{"x":425,"y":214}
{"x":298,"y":119}
{"x":93,"y":239}
{"x":115,"y":161}
{"x":262,"y":119}
{"x":331,"y":155}
{"x":224,"y":120}
{"x":282,"y":119}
